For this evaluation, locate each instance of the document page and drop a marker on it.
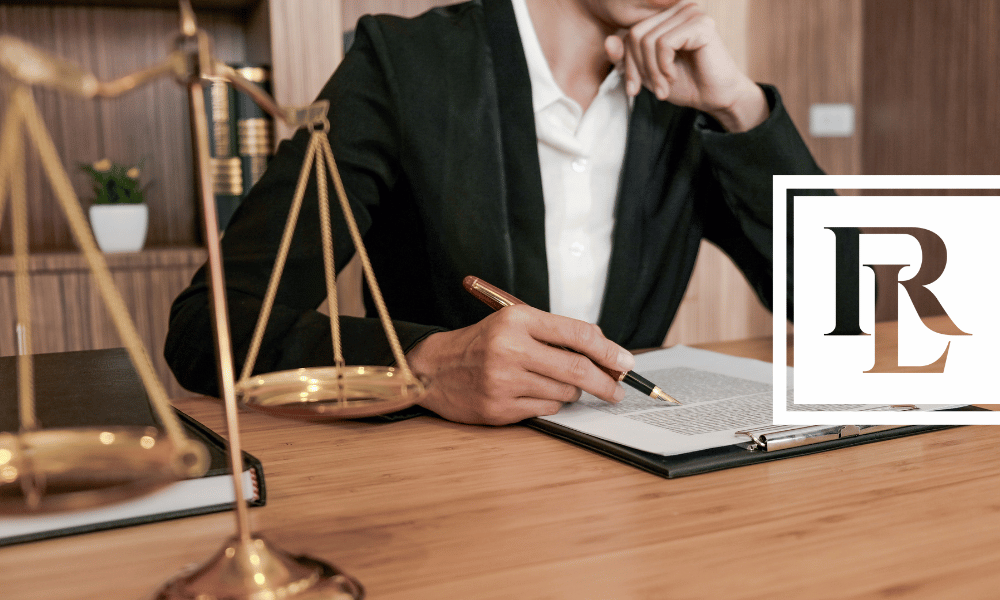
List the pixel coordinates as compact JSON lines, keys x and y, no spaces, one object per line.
{"x":720,"y":396}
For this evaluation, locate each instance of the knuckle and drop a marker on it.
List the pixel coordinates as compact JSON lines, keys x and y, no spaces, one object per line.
{"x":490,"y":379}
{"x":496,"y":345}
{"x":569,"y":393}
{"x":510,"y":318}
{"x":692,"y":7}
{"x":492,"y":414}
{"x":650,"y":43}
{"x":519,"y":313}
{"x":578,"y":367}
{"x":587,"y":334}
{"x":610,"y":356}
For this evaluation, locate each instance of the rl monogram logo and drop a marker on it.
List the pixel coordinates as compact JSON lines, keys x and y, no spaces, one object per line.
{"x":932,"y":341}
{"x":847,"y":296}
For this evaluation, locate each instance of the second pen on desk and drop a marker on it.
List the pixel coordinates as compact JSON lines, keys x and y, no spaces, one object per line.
{"x":496,"y":299}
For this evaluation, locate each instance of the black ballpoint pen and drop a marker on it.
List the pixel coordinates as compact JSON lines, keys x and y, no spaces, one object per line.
{"x":496,"y":299}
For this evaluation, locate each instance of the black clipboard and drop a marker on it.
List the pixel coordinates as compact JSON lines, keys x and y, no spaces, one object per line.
{"x":718,"y":459}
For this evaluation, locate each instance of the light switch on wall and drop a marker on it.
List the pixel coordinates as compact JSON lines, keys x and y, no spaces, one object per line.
{"x":831,"y":120}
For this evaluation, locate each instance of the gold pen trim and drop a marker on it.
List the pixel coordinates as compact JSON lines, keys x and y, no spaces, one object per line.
{"x":491,"y":294}
{"x":660,"y":394}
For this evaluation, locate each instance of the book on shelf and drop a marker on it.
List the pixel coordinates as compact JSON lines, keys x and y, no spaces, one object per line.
{"x":92,"y":388}
{"x":240,"y":138}
{"x":254,"y":127}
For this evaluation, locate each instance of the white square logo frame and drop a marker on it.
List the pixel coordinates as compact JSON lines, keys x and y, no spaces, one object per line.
{"x":839,"y":369}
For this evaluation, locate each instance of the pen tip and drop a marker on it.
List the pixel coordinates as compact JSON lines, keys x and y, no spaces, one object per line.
{"x":658,"y":393}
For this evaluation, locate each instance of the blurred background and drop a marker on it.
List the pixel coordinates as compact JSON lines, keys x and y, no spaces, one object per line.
{"x":875,"y":87}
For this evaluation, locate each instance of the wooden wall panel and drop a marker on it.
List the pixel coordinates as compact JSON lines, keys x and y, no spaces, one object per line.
{"x":932,"y":87}
{"x":68,"y":313}
{"x":812,"y":52}
{"x":931,"y":92}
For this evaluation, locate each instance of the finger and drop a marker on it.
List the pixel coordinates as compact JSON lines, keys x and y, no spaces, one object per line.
{"x":526,"y":408}
{"x":635,"y":61}
{"x":615,"y":48}
{"x":659,"y":58}
{"x":660,"y":45}
{"x":580,"y":336}
{"x":578,"y":371}
{"x":512,"y":355}
{"x":646,"y":25}
{"x":534,"y":385}
{"x":511,"y":411}
{"x":518,"y":377}
{"x":688,"y":32}
{"x":654,"y":54}
{"x":633,"y":79}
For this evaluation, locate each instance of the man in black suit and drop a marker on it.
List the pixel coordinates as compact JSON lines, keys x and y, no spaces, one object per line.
{"x":571,"y":152}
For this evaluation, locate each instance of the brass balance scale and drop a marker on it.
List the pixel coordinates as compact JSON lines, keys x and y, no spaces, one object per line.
{"x":47,"y":470}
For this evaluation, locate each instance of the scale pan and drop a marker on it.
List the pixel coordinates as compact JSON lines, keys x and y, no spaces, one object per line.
{"x":329,"y":393}
{"x":51,"y":470}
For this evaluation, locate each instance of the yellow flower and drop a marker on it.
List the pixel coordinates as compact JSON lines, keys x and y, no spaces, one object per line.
{"x":133,"y":173}
{"x":102,"y":165}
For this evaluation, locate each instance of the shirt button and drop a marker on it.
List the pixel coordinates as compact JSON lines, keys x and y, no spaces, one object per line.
{"x":576,"y":249}
{"x":580,"y":165}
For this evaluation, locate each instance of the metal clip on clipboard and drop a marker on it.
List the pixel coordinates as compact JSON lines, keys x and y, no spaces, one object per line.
{"x":776,"y":437}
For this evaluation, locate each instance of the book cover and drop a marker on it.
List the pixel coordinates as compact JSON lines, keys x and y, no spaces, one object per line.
{"x":227,"y":174}
{"x":254,"y":127}
{"x":101,"y":387}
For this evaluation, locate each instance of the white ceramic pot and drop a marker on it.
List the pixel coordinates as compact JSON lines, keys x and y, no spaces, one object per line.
{"x":119,"y":227}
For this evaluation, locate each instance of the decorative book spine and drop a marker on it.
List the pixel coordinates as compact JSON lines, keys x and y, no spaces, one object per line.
{"x":254,"y":127}
{"x":227,"y":184}
{"x":227,"y":177}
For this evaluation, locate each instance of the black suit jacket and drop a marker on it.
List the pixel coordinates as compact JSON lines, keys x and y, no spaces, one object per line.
{"x":433,"y":132}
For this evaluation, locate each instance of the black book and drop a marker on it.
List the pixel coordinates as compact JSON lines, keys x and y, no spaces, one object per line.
{"x":223,"y":142}
{"x":254,"y":127}
{"x":92,"y":388}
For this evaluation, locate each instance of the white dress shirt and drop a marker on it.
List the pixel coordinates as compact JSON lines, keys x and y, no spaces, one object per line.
{"x":580,"y":154}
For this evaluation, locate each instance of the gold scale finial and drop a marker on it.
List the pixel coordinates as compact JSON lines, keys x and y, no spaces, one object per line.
{"x":246,"y":566}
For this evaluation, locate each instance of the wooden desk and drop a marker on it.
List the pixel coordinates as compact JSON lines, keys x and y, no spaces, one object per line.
{"x":431,"y":509}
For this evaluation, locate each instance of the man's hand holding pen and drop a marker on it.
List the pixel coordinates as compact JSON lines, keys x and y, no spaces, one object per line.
{"x":507,"y":368}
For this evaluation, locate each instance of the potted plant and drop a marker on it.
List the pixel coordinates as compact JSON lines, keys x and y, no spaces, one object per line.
{"x":119,"y":215}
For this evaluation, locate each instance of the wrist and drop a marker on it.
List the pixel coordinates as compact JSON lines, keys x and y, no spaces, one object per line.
{"x":748,"y":110}
{"x":421,"y":358}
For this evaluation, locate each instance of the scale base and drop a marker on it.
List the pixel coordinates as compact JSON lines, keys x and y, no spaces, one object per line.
{"x":255,"y":570}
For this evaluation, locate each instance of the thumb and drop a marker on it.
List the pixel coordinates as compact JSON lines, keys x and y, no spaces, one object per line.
{"x":615,"y":48}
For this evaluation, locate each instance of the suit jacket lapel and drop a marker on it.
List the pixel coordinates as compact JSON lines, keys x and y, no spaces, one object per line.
{"x":646,"y":138}
{"x":519,"y":154}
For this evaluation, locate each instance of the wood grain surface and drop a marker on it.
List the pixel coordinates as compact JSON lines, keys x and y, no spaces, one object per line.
{"x":426,"y":509}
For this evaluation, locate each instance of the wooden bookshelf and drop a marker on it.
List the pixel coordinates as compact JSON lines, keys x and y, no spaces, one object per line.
{"x":110,"y":39}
